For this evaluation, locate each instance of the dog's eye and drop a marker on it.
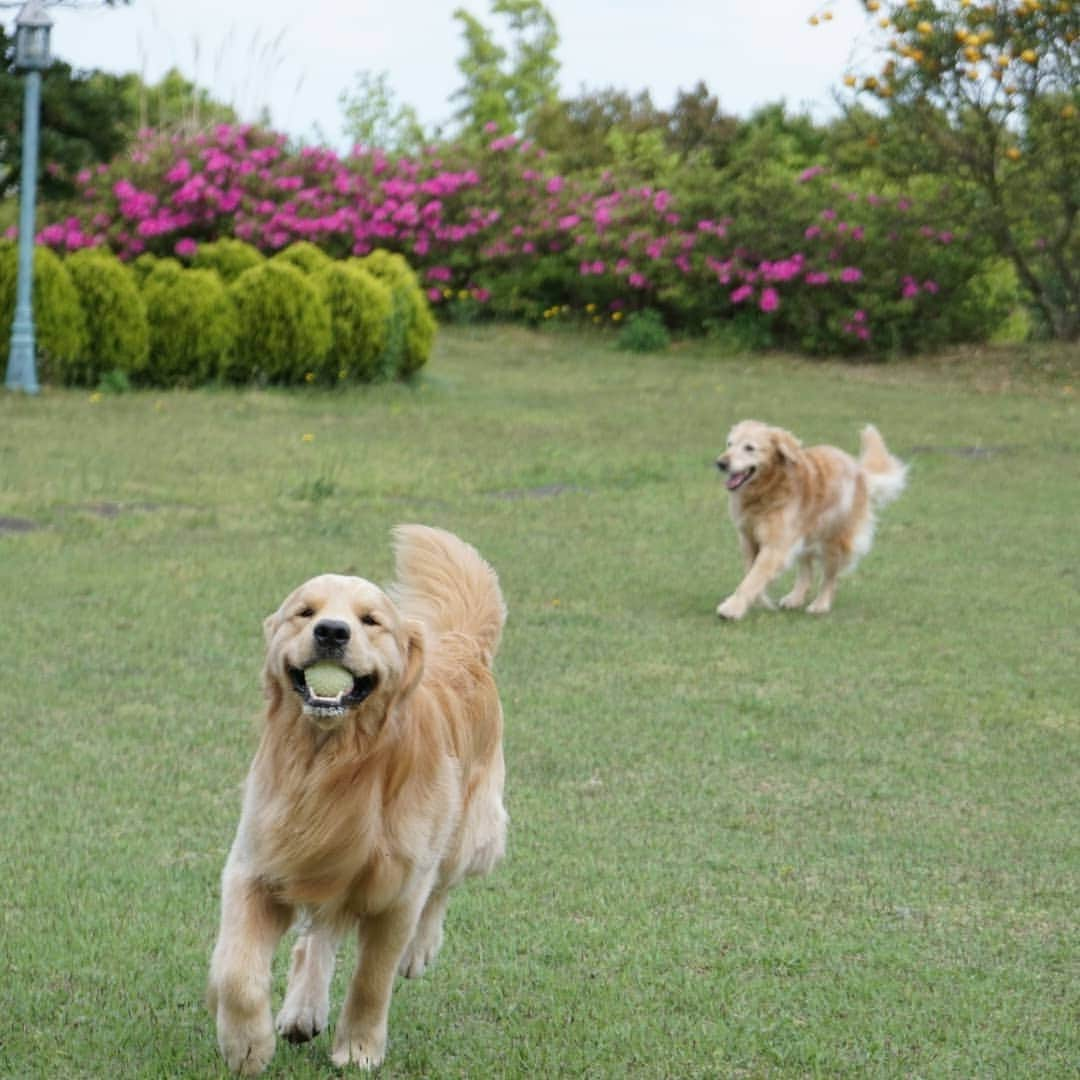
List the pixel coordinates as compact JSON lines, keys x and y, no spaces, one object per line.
{"x":749,"y":448}
{"x":306,"y":612}
{"x":369,"y":620}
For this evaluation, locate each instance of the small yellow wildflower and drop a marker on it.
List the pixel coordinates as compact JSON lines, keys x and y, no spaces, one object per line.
{"x":1029,"y":56}
{"x":1013,"y":154}
{"x":307,"y":437}
{"x":309,"y":377}
{"x":616,"y":316}
{"x":95,"y":397}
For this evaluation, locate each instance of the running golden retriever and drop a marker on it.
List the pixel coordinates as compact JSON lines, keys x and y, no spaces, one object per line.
{"x":372,"y":793}
{"x":807,"y":505}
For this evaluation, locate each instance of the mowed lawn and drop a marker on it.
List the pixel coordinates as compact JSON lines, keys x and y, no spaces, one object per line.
{"x":790,"y":847}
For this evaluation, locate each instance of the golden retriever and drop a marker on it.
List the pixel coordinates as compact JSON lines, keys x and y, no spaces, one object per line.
{"x":366,"y":807}
{"x":809,"y":505}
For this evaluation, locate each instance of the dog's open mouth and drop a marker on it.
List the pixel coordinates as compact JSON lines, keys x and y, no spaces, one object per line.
{"x":330,"y":690}
{"x":737,"y":479}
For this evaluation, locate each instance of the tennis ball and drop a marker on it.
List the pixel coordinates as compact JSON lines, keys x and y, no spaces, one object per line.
{"x":327,"y":680}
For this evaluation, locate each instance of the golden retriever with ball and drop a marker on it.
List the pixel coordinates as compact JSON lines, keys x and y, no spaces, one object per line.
{"x":802,"y":504}
{"x":376,"y":787}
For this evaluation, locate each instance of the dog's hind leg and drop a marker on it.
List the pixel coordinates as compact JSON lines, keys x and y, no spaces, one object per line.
{"x":306,"y":1008}
{"x":835,"y":558}
{"x":804,"y":578}
{"x":428,"y":937}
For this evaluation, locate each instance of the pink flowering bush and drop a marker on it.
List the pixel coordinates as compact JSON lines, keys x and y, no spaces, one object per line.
{"x":791,"y":254}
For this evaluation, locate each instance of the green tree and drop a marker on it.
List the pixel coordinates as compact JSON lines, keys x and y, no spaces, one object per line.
{"x":82,"y":122}
{"x":173,"y":103}
{"x":501,"y":89}
{"x":988,"y":94}
{"x":374,"y":116}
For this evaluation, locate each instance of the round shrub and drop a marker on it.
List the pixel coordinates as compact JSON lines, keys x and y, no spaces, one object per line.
{"x":360,"y":311}
{"x":283,"y":325}
{"x":412,"y":326}
{"x":306,"y":256}
{"x":229,"y":257}
{"x":117,"y":334}
{"x":59,"y":324}
{"x":192,"y":325}
{"x":143,"y":266}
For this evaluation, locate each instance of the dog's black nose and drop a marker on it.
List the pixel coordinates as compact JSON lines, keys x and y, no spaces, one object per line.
{"x":721,"y":464}
{"x":331,"y":634}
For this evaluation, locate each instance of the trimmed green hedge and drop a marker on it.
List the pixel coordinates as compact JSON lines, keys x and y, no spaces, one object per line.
{"x":193,"y":326}
{"x":361,"y":307}
{"x":230,"y":258}
{"x":300,"y":317}
{"x":59,"y":322}
{"x":412,"y":328}
{"x":118,"y":335}
{"x":283,"y":326}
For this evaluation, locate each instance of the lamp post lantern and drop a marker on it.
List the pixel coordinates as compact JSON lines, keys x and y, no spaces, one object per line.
{"x":32,"y":26}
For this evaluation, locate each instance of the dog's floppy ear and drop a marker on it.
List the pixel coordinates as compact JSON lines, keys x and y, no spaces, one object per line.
{"x":414,"y":657}
{"x":787,"y":446}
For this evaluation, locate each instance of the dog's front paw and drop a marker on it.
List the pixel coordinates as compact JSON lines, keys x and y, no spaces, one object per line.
{"x":247,"y":1050}
{"x":820,"y":607}
{"x":365,"y":1053}
{"x":792,"y":600}
{"x":300,"y":1022}
{"x":732,"y":608}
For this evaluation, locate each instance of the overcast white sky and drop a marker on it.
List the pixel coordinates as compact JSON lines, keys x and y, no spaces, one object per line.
{"x":296,"y":57}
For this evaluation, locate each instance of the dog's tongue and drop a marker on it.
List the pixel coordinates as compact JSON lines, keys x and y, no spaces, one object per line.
{"x":735,"y":479}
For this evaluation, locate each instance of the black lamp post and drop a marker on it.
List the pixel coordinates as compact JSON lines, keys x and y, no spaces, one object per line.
{"x":32,"y":26}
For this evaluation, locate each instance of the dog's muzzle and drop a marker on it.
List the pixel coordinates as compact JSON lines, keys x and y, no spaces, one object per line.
{"x":329,"y":708}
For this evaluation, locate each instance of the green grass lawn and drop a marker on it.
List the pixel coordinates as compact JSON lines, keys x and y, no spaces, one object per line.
{"x":789,"y":847}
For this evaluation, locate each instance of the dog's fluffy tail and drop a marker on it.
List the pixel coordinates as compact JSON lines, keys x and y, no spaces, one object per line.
{"x":885,"y":475}
{"x":446,"y":583}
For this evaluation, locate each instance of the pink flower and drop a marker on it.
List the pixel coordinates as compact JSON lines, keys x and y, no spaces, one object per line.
{"x":850,"y":274}
{"x":812,"y":232}
{"x":179,"y":172}
{"x":743,"y":292}
{"x":930,"y":287}
{"x":809,"y":174}
{"x":770,"y":299}
{"x":185,"y":247}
